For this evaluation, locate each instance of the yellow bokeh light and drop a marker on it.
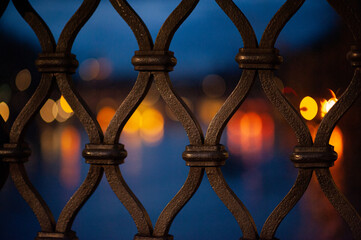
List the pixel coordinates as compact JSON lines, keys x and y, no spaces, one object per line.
{"x":61,"y":115}
{"x":46,"y":112}
{"x":133,"y":124}
{"x":308,"y":108}
{"x":104,"y":117}
{"x":4,"y":111}
{"x":65,"y":105}
{"x":152,"y":121}
{"x":152,"y":126}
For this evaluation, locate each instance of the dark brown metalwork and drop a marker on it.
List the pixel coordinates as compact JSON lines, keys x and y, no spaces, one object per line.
{"x":154,"y":61}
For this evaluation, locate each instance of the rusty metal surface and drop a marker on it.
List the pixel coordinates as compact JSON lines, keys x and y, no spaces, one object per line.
{"x":205,"y":154}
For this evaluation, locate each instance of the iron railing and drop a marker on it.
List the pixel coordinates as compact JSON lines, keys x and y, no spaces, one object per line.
{"x":154,"y":61}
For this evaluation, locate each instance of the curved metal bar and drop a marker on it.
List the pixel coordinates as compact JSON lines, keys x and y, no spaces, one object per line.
{"x":232,"y":202}
{"x":129,"y":200}
{"x":173,"y":22}
{"x":127,"y":108}
{"x":339,"y":202}
{"x":240,"y":21}
{"x":32,"y":197}
{"x":79,"y":107}
{"x":79,"y":198}
{"x":338,"y":110}
{"x":285,"y":108}
{"x":31,"y":108}
{"x":74,"y":25}
{"x":278,"y":22}
{"x":350,"y":14}
{"x":179,"y":108}
{"x":220,"y":120}
{"x":287,"y":204}
{"x":140,"y":30}
{"x":3,"y":6}
{"x":187,"y":191}
{"x":38,"y":25}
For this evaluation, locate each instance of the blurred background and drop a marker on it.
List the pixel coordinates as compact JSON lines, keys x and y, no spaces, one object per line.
{"x":314,"y":75}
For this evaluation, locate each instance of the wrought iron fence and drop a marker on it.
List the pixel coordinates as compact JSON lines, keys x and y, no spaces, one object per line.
{"x":205,"y":154}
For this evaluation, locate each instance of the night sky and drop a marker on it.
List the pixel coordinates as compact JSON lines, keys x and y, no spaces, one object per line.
{"x":206,"y":43}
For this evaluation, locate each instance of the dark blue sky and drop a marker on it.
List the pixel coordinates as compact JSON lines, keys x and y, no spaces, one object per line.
{"x":206,"y":43}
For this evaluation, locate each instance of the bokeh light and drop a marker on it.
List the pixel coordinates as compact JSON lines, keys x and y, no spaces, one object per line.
{"x":251,"y":135}
{"x":326,"y":105}
{"x":65,"y":105}
{"x":105,"y":68}
{"x":61,"y":115}
{"x":152,"y":127}
{"x":4,"y":111}
{"x":133,"y":124}
{"x":70,"y":156}
{"x":89,"y":69}
{"x":213,"y":86}
{"x":46,"y":112}
{"x":336,"y":140}
{"x":23,"y":79}
{"x":208,"y":109}
{"x":308,"y":108}
{"x":104,"y":117}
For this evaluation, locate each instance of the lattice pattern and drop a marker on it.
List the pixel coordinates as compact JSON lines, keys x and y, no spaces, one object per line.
{"x":204,"y":154}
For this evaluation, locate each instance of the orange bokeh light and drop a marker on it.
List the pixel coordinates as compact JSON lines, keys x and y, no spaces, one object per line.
{"x":104,"y":117}
{"x":70,"y":156}
{"x":251,"y":135}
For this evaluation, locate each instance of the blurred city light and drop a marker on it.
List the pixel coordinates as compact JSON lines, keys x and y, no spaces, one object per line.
{"x":133,"y":124}
{"x":213,"y":86}
{"x":152,"y":126}
{"x":326,"y":105}
{"x":95,"y":69}
{"x":104,"y":117}
{"x":336,"y":140}
{"x":251,"y":135}
{"x":308,"y":108}
{"x":105,"y":68}
{"x":208,"y":109}
{"x":4,"y":111}
{"x":61,"y":114}
{"x":49,"y":143}
{"x":65,"y":105}
{"x":70,"y":157}
{"x":23,"y":79}
{"x":46,"y":112}
{"x":89,"y":69}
